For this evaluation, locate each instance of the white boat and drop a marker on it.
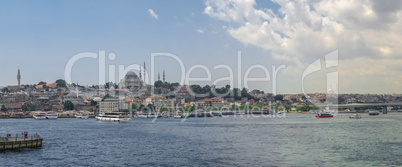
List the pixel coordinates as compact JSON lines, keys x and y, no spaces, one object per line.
{"x":153,"y":116}
{"x":374,"y":112}
{"x":40,"y":115}
{"x":177,"y":116}
{"x":356,"y":116}
{"x":81,"y":116}
{"x":51,"y":116}
{"x":113,"y":117}
{"x":142,"y":116}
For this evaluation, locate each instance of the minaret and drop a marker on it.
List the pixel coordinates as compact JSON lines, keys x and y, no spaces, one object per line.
{"x":145,"y":80}
{"x":163,"y":75}
{"x":140,"y":74}
{"x":159,"y":76}
{"x":19,"y":78}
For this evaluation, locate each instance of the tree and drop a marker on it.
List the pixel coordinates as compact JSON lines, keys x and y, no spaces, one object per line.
{"x":24,"y":107}
{"x":126,"y":110}
{"x":105,"y":97}
{"x":93,"y":103}
{"x":61,"y":83}
{"x":68,"y":105}
{"x":32,"y":107}
{"x":41,"y":83}
{"x":91,"y":110}
{"x":158,"y":84}
{"x":278,"y":97}
{"x":3,"y":107}
{"x":133,"y":106}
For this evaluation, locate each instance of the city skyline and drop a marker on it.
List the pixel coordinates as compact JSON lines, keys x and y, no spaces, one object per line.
{"x":40,"y":38}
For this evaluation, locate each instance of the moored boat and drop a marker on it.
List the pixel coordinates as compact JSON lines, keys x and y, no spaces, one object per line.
{"x":81,"y":116}
{"x":40,"y":115}
{"x":113,"y":117}
{"x":51,"y":115}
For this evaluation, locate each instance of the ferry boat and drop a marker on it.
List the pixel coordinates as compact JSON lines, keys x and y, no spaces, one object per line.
{"x":40,"y":115}
{"x":324,"y":114}
{"x":374,"y":112}
{"x":113,"y":117}
{"x":51,"y":116}
{"x":153,"y":115}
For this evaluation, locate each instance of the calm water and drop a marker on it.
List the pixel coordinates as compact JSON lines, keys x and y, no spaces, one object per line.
{"x":297,"y":140}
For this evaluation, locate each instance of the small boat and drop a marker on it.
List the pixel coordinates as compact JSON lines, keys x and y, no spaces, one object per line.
{"x":142,"y":116}
{"x":324,"y":115}
{"x":51,"y":116}
{"x":177,"y":116}
{"x":39,"y":115}
{"x":356,"y":116}
{"x":374,"y":112}
{"x":113,"y":117}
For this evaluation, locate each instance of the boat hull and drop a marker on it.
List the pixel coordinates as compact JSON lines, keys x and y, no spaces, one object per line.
{"x":51,"y":117}
{"x":39,"y":117}
{"x":82,"y":117}
{"x":324,"y":116}
{"x":106,"y":119}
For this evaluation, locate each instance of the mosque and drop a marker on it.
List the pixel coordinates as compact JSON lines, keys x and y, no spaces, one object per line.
{"x":133,"y":82}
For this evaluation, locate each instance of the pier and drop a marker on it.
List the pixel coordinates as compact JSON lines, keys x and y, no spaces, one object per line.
{"x":12,"y":143}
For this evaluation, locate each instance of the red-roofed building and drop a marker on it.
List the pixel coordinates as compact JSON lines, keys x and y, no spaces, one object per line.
{"x":50,"y":85}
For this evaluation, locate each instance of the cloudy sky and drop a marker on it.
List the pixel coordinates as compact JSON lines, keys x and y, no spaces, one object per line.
{"x":41,"y":37}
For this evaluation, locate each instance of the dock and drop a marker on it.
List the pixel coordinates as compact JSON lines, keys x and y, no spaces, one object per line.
{"x":12,"y":143}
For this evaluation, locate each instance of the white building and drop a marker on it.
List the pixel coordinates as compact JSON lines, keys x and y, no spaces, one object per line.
{"x":109,"y":105}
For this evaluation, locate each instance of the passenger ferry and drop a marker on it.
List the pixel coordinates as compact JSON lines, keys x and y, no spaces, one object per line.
{"x":40,"y":115}
{"x":51,"y":115}
{"x":113,"y":117}
{"x":324,"y":114}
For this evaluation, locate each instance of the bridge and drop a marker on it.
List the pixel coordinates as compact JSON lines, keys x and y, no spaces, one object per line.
{"x":357,"y":105}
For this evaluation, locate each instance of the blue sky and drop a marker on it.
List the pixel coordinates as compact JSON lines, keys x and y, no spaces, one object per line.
{"x":40,"y":37}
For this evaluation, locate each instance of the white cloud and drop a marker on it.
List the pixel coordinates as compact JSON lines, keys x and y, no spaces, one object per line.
{"x":200,"y":31}
{"x":152,"y":13}
{"x":302,"y":31}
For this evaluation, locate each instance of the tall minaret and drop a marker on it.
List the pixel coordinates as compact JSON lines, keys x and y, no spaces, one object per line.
{"x":145,"y":80}
{"x":19,"y":78}
{"x":163,"y":75}
{"x":140,"y":74}
{"x":159,"y":76}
